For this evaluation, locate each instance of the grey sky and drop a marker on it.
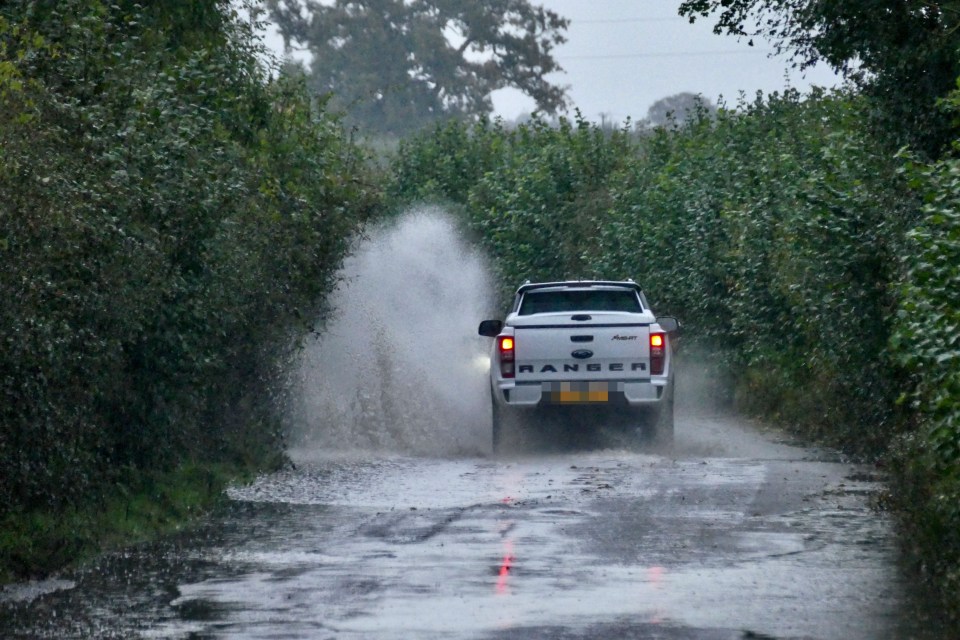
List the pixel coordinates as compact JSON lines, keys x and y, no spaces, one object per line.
{"x":623,"y":55}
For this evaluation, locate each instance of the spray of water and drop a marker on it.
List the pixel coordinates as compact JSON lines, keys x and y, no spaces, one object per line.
{"x":399,"y":366}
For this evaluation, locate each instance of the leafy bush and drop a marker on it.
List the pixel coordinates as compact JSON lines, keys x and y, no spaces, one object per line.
{"x":781,"y":222}
{"x":927,"y":341}
{"x":171,"y":219}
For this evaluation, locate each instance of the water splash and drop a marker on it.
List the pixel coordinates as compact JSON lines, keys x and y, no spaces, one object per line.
{"x":399,"y":366}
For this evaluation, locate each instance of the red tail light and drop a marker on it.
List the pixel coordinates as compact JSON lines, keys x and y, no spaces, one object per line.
{"x":658,"y":354}
{"x":506,"y":346}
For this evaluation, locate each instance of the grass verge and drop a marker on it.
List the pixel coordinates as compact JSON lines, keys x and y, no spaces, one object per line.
{"x":141,"y":506}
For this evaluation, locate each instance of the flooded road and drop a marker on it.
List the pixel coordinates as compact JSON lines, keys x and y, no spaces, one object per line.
{"x":732,"y":535}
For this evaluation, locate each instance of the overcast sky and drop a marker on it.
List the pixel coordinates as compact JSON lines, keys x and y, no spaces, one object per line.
{"x":623,"y":55}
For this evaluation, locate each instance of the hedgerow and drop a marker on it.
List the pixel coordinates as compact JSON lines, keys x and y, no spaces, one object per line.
{"x":927,"y":341}
{"x":775,"y":230}
{"x":171,"y":218}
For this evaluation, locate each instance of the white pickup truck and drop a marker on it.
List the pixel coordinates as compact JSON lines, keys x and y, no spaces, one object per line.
{"x":594,"y":344}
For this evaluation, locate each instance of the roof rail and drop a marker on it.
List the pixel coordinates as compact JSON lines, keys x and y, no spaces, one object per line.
{"x":527,"y":286}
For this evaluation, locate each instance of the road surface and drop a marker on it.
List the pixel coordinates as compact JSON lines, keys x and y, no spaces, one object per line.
{"x":734,"y":534}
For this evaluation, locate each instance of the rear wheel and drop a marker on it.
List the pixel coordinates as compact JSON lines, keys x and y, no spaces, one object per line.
{"x":662,"y":426}
{"x":496,"y":423}
{"x":645,"y":426}
{"x":632,"y":426}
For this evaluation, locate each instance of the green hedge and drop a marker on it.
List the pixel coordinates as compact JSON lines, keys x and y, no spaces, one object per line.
{"x":927,"y":340}
{"x":171,"y":219}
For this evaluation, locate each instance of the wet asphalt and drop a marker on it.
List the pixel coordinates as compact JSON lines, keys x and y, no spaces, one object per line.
{"x":734,"y":534}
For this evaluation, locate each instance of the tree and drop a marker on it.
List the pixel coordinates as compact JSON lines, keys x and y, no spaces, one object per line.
{"x":901,"y":53}
{"x":394,"y":66}
{"x":677,"y":108}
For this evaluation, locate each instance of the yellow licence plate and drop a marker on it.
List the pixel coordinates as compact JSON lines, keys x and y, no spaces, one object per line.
{"x":577,"y":392}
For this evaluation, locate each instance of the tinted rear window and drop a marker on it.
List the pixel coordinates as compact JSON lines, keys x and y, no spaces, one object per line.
{"x":590,"y":300}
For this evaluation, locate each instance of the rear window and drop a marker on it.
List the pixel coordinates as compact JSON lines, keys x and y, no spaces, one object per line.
{"x":559,"y":301}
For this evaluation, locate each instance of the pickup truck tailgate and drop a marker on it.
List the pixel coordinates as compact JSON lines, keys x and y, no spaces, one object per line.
{"x":565,"y":347}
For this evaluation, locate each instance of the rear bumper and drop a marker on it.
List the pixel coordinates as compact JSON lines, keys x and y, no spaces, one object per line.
{"x":621,"y":393}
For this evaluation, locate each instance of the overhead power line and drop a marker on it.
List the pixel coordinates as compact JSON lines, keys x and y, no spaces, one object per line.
{"x":671,"y":54}
{"x":622,"y":20}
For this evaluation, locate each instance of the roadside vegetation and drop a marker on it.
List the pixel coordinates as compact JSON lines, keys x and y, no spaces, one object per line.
{"x":171,"y":219}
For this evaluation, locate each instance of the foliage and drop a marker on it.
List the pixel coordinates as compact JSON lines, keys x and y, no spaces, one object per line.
{"x":170,"y":218}
{"x":781,"y":222}
{"x":136,"y":507}
{"x":448,"y":162}
{"x":901,"y":53}
{"x":539,"y":211}
{"x":927,"y":340}
{"x":397,"y":66}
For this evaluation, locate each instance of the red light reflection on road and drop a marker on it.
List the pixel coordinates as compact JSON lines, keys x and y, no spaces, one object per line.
{"x":505,"y":566}
{"x":655,"y":576}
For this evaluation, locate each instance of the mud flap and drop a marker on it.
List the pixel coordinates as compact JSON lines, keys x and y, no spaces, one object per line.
{"x":496,"y":423}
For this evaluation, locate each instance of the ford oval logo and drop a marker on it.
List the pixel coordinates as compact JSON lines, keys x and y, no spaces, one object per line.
{"x":582,"y":354}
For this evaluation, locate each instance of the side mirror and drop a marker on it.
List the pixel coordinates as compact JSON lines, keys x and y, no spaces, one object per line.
{"x":669,"y":324}
{"x":490,"y":328}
